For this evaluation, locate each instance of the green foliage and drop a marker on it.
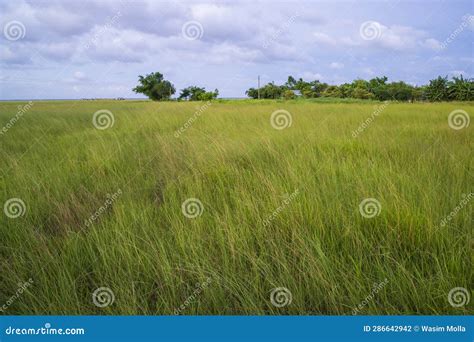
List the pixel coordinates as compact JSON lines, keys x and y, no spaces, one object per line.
{"x":437,"y":90}
{"x":362,"y":93}
{"x":378,"y":88}
{"x":461,"y":89}
{"x":252,"y":93}
{"x":155,"y":87}
{"x":289,"y":94}
{"x":194,"y":93}
{"x":208,"y":95}
{"x":268,"y":91}
{"x":332,"y":91}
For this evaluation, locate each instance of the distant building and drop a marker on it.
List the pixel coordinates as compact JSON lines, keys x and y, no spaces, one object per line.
{"x":297,"y":92}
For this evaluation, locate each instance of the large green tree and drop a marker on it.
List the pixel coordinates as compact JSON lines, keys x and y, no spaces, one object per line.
{"x":437,"y":90}
{"x":461,"y":89}
{"x":155,"y":87}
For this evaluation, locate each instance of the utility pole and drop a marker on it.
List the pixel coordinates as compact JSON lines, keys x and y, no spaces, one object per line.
{"x":258,"y":89}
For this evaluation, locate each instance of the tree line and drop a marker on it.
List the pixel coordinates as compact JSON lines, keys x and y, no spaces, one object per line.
{"x":155,"y":87}
{"x":378,"y":88}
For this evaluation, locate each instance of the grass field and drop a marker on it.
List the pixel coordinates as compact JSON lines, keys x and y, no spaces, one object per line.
{"x":275,"y":208}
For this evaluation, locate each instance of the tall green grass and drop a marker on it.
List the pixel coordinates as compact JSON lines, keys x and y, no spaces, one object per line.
{"x":317,"y":244}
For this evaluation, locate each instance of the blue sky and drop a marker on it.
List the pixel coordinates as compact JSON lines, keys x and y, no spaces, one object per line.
{"x":85,"y":49}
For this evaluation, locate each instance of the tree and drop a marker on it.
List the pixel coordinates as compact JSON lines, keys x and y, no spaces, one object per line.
{"x":362,"y":93}
{"x":252,"y":92}
{"x":437,"y":90}
{"x":208,"y":95}
{"x":155,"y":87}
{"x":461,"y":89}
{"x":378,"y":86}
{"x":332,"y":91}
{"x":268,"y":91}
{"x":346,"y":90}
{"x":400,"y":91}
{"x":194,"y":93}
{"x":185,"y":94}
{"x":289,"y":94}
{"x":418,"y":93}
{"x":291,"y":83}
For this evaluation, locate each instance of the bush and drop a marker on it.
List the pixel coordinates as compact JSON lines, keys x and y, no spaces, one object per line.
{"x":289,"y":94}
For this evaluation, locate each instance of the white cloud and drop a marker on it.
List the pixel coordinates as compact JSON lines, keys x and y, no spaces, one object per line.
{"x":64,"y":36}
{"x":399,"y":37}
{"x":323,"y":38}
{"x":312,"y":76}
{"x":457,"y":73}
{"x":368,"y":71}
{"x":433,"y":44}
{"x":79,"y":75}
{"x":336,"y":65}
